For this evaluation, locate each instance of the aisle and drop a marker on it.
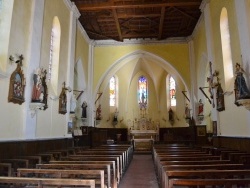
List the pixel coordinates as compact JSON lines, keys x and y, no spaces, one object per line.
{"x":140,"y":174}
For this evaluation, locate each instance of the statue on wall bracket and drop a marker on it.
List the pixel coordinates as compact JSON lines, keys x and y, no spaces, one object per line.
{"x":17,"y":82}
{"x":240,"y":87}
{"x":63,"y":100}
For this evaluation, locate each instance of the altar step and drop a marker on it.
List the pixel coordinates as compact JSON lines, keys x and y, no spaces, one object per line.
{"x":142,"y":152}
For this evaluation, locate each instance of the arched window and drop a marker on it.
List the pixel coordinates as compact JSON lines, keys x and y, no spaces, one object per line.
{"x":54,"y":54}
{"x":113,"y":88}
{"x":172,"y":91}
{"x":226,"y":48}
{"x":143,"y":91}
{"x":6,"y":10}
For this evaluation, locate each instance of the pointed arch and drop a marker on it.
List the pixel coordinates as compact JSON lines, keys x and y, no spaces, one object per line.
{"x":55,"y":39}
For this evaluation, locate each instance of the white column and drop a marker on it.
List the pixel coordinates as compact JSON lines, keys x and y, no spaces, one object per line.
{"x":91,"y":110}
{"x":33,"y":61}
{"x":210,"y":52}
{"x":74,"y":15}
{"x":193,"y":74}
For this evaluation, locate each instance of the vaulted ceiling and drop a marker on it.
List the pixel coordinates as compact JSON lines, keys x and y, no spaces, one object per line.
{"x":138,"y":19}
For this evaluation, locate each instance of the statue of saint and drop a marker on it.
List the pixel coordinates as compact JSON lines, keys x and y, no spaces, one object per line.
{"x":241,"y":89}
{"x":84,"y":109}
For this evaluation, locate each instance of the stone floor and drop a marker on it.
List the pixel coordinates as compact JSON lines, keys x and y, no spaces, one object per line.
{"x":140,"y":174}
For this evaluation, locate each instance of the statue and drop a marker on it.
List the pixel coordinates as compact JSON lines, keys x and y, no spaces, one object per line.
{"x":240,"y":86}
{"x":38,"y":91}
{"x":116,"y":115}
{"x":187,"y":112}
{"x":98,"y":113}
{"x":171,"y":116}
{"x":200,"y":108}
{"x":73,"y":104}
{"x":84,"y":109}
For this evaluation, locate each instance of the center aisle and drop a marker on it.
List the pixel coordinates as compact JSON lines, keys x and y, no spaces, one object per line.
{"x":140,"y":174}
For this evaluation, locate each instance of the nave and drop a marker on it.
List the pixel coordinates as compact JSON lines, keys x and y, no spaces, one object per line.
{"x":140,"y":173}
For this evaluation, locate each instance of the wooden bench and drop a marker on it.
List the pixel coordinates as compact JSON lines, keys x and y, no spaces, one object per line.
{"x":97,"y":175}
{"x":113,"y":171}
{"x":16,"y":163}
{"x":116,"y":158}
{"x":204,"y":174}
{"x":166,"y":168}
{"x":5,"y":169}
{"x":228,"y":183}
{"x":40,"y":182}
{"x":105,"y":167}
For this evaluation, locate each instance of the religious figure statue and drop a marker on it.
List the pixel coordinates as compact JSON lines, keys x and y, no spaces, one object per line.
{"x":200,"y":108}
{"x":116,"y":115}
{"x":187,"y":112}
{"x":240,"y":86}
{"x":84,"y":109}
{"x":171,"y":116}
{"x":98,"y":113}
{"x":73,"y":104}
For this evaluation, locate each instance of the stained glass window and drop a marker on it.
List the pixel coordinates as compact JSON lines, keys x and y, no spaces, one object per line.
{"x":142,"y":91}
{"x":112,"y":91}
{"x":51,"y":53}
{"x":172,"y":91}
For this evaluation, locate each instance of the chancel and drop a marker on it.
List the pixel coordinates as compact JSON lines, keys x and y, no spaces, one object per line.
{"x":133,"y":92}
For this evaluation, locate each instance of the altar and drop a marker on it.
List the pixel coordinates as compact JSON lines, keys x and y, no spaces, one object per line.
{"x":143,"y":134}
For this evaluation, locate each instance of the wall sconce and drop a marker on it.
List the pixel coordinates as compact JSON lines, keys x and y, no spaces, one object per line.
{"x":164,"y":119}
{"x":108,"y":119}
{"x":245,"y":103}
{"x":34,"y":107}
{"x":227,"y":93}
{"x":121,"y":120}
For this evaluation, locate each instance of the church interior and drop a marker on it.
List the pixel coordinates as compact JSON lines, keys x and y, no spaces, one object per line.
{"x":137,"y":77}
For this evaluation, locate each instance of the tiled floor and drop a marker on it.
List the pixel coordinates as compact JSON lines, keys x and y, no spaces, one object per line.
{"x":140,"y":174}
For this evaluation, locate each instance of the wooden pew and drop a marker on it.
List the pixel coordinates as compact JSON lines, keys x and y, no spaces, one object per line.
{"x":97,"y":175}
{"x":105,"y":167}
{"x":204,"y":174}
{"x":40,"y":182}
{"x":33,"y":160}
{"x":116,"y":158}
{"x":228,"y":183}
{"x":112,"y":163}
{"x":167,"y":168}
{"x":16,"y":163}
{"x":5,"y":169}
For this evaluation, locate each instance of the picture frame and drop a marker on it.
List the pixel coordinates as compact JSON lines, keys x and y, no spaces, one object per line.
{"x":84,"y":130}
{"x":17,"y":84}
{"x":201,"y":130}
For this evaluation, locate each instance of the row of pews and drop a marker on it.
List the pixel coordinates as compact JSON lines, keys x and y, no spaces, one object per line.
{"x":182,"y":166}
{"x":102,"y":166}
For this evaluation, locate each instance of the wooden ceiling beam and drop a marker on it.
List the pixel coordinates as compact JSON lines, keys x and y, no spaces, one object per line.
{"x":184,"y":13}
{"x":117,"y":24}
{"x":110,"y":5}
{"x":161,"y":22}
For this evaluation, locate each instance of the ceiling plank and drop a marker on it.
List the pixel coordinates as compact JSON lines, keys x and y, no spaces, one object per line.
{"x":161,"y":22}
{"x":110,"y":5}
{"x":117,"y":24}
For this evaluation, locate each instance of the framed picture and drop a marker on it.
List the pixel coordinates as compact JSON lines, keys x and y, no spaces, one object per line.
{"x":17,"y":85}
{"x":201,"y":130}
{"x":70,"y":127}
{"x":84,"y":130}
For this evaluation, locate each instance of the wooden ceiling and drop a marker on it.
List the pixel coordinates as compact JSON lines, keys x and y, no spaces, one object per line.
{"x":138,"y":19}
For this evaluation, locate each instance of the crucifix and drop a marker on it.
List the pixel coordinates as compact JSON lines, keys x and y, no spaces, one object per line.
{"x":211,"y":83}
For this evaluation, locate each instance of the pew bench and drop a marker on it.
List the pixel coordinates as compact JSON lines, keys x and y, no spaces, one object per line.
{"x":40,"y":182}
{"x":105,"y":167}
{"x":5,"y":169}
{"x":205,"y":174}
{"x":16,"y":163}
{"x":97,"y":175}
{"x":113,"y":171}
{"x":227,"y":183}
